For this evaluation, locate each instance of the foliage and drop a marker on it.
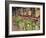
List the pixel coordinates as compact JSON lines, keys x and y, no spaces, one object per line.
{"x":26,"y":24}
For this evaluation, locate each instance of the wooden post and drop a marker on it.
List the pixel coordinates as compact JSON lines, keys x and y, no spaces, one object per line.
{"x":25,"y":12}
{"x":29,"y":12}
{"x":37,"y":12}
{"x":33,"y":12}
{"x":21,"y":11}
